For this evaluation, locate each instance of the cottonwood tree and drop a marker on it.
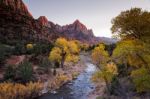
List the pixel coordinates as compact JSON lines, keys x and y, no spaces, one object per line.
{"x":133,"y":23}
{"x":99,"y":55}
{"x":133,"y":27}
{"x":141,"y":79}
{"x":127,"y":52}
{"x":133,"y":53}
{"x":106,"y":74}
{"x":108,"y":70}
{"x":64,"y":50}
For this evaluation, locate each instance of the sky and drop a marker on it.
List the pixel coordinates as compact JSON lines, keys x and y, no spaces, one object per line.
{"x":95,"y":14}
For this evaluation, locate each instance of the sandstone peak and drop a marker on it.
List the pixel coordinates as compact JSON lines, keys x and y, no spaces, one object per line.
{"x":76,"y":21}
{"x":32,"y":29}
{"x":16,"y":6}
{"x":43,"y":21}
{"x":43,"y":18}
{"x":79,"y":26}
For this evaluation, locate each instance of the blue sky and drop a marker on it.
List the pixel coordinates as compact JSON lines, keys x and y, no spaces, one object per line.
{"x":95,"y":14}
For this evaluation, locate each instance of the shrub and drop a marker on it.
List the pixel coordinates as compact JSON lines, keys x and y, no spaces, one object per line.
{"x":5,"y":51}
{"x":56,"y":64}
{"x":30,"y":48}
{"x":19,"y":48}
{"x":25,"y":71}
{"x":19,"y":91}
{"x":42,"y":48}
{"x":75,"y":74}
{"x":45,"y":64}
{"x":60,"y":79}
{"x":10,"y":73}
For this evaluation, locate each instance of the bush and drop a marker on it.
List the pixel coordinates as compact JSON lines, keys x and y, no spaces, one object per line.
{"x":25,"y":71}
{"x":56,"y":64}
{"x":29,"y":48}
{"x":59,"y":81}
{"x":10,"y":73}
{"x":41,"y":48}
{"x":19,"y":49}
{"x":75,"y":74}
{"x":19,"y":91}
{"x":36,"y":48}
{"x":5,"y":51}
{"x":45,"y":64}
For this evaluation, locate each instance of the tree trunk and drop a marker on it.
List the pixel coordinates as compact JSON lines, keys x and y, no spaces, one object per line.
{"x":62,"y":62}
{"x":126,"y":68}
{"x":54,"y":72}
{"x":63,"y":59}
{"x":107,"y":85}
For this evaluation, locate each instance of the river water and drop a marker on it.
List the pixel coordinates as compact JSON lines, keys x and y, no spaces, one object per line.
{"x":78,"y":88}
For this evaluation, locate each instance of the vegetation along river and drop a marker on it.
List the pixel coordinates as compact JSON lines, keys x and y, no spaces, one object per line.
{"x":78,"y":88}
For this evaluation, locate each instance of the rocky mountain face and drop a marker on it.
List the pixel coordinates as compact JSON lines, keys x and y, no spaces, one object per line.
{"x":16,"y":6}
{"x":17,"y":23}
{"x":15,"y":20}
{"x":43,"y":21}
{"x":76,"y":30}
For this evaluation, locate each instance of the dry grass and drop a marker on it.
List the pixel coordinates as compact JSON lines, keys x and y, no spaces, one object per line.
{"x":19,"y":91}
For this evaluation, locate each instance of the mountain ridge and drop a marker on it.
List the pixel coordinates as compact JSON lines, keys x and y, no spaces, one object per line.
{"x":17,"y":23}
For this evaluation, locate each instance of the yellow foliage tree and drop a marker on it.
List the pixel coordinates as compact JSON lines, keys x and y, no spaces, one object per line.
{"x":106,"y":74}
{"x":141,"y":79}
{"x":129,"y":52}
{"x":64,"y":50}
{"x":99,"y":55}
{"x":55,"y":54}
{"x":107,"y":69}
{"x":135,"y":53}
{"x":134,"y":47}
{"x":84,"y":46}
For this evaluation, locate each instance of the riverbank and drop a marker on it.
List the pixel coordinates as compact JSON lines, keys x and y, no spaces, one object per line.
{"x":67,"y":74}
{"x":78,"y":88}
{"x":99,"y":91}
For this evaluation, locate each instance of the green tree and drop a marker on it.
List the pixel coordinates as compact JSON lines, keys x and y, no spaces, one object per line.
{"x":133,"y":27}
{"x":133,"y":23}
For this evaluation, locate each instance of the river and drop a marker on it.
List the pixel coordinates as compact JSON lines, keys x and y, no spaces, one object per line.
{"x":76,"y":89}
